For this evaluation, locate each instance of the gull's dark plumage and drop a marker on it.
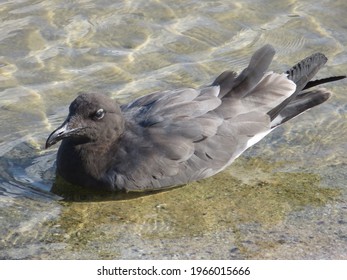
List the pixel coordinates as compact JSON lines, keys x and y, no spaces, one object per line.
{"x":174,"y":137}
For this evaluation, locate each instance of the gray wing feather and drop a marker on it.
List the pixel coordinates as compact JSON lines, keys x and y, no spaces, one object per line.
{"x":186,"y":118}
{"x":185,"y":135}
{"x":250,"y":77}
{"x":270,"y":91}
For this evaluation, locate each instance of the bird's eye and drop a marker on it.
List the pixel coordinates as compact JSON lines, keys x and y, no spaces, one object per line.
{"x":99,"y":114}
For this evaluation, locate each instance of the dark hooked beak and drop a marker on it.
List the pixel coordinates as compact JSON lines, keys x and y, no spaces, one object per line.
{"x":60,"y":133}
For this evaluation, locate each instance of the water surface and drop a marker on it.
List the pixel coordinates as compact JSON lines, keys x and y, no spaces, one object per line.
{"x":284,"y":198}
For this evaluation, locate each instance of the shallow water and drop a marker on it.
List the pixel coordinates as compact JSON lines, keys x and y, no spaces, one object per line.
{"x":284,"y":198}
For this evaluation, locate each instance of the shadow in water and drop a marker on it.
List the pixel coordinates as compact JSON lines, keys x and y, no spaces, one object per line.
{"x":75,"y":193}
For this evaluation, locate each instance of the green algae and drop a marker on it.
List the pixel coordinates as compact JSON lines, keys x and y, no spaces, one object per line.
{"x":222,"y":202}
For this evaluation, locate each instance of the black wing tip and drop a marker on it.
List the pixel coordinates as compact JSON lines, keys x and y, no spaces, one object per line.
{"x":324,"y":81}
{"x":300,"y":104}
{"x":316,"y":61}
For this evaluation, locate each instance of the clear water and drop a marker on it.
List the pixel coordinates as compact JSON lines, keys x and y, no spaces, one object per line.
{"x":284,"y":198}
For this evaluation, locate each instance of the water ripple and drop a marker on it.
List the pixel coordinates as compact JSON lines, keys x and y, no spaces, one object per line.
{"x":52,"y":50}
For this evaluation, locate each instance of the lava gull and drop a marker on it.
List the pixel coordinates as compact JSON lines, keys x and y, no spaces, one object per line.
{"x":171,"y":138}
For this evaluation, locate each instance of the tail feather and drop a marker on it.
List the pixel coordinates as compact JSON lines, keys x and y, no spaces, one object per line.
{"x":300,"y":74}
